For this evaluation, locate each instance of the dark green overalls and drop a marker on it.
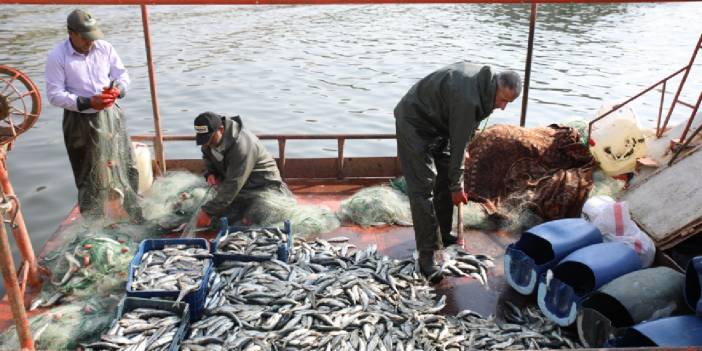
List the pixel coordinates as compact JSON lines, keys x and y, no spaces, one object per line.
{"x":434,"y":123}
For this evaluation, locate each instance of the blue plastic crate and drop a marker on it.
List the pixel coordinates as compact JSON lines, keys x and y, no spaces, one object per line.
{"x":181,"y":308}
{"x":195,"y":299}
{"x":282,"y":254}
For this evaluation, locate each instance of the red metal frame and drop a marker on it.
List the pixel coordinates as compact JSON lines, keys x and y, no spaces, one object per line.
{"x":661,"y":129}
{"x":677,"y":95}
{"x":306,"y":2}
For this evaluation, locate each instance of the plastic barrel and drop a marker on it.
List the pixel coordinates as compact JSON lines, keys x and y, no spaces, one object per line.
{"x":542,"y":247}
{"x":678,"y":331}
{"x":693,"y":277}
{"x":562,"y":289}
{"x":635,"y":297}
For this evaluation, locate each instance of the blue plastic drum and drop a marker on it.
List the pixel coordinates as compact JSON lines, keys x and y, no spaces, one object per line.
{"x":562,"y":289}
{"x":542,"y":247}
{"x":678,"y":331}
{"x":693,"y":277}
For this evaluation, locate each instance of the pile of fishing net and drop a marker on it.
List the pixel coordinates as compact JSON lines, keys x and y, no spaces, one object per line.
{"x":516,"y":214}
{"x":377,"y":205}
{"x":92,"y":260}
{"x":271,"y":208}
{"x":65,"y":327}
{"x":174,"y":198}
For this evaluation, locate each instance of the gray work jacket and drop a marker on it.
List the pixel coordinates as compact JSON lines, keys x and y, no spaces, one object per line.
{"x":447,"y":106}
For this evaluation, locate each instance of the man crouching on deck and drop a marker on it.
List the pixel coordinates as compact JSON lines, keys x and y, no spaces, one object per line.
{"x":238,"y":164}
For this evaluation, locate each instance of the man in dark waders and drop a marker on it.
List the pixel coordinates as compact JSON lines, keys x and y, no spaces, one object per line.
{"x":238,"y":164}
{"x":434,"y":123}
{"x":85,"y":76}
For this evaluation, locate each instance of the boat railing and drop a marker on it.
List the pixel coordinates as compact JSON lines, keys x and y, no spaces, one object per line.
{"x":282,"y":139}
{"x":678,"y":144}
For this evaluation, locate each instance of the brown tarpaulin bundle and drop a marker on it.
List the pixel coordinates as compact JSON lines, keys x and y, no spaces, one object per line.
{"x":546,"y":169}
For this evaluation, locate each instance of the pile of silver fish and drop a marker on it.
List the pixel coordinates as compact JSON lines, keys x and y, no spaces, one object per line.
{"x":139,"y":330}
{"x":338,"y":298}
{"x":175,"y":267}
{"x":252,"y":242}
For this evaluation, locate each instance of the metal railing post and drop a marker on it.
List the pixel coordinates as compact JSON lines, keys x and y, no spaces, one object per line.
{"x":14,"y":294}
{"x":527,"y":69}
{"x":340,"y":157}
{"x":158,"y":141}
{"x":19,"y":229}
{"x":281,"y":157}
{"x":692,"y":117}
{"x":660,"y":108}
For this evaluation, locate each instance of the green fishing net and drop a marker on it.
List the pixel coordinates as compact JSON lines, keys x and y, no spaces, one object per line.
{"x":272,"y":207}
{"x":174,"y":198}
{"x":92,"y":260}
{"x":516,"y":214}
{"x":109,"y":155}
{"x":606,"y":185}
{"x":581,"y":126}
{"x":65,"y":327}
{"x":310,"y":220}
{"x":377,"y":205}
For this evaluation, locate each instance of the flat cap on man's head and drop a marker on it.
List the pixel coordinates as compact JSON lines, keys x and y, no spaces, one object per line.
{"x":84,"y":24}
{"x":206,"y":124}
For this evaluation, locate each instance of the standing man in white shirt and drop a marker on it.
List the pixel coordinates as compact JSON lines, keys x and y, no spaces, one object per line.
{"x":85,"y":76}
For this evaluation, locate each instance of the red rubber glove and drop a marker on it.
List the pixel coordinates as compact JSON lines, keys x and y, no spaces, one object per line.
{"x":101,"y":101}
{"x":203,"y":220}
{"x":114,"y":92}
{"x":459,"y":197}
{"x":212,"y":180}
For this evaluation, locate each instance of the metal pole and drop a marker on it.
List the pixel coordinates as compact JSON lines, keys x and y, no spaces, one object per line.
{"x":692,"y":117}
{"x":158,"y":141}
{"x":680,"y":87}
{"x":527,"y":69}
{"x":19,"y":230}
{"x":24,"y":334}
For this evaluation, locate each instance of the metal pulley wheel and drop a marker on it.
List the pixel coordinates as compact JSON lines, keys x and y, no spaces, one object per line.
{"x":20,"y":104}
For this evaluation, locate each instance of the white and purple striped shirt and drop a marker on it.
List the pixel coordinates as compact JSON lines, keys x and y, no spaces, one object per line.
{"x":70,"y":74}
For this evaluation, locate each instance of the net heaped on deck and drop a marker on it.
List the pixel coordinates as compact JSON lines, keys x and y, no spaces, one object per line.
{"x":378,"y":205}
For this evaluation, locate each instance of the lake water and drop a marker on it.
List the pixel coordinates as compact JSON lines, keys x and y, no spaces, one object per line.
{"x":339,"y":69}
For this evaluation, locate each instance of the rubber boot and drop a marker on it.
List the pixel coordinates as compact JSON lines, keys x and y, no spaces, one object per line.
{"x":449,"y":239}
{"x":427,"y":267}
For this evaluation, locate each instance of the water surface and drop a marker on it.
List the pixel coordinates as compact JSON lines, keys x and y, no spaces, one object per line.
{"x":339,"y":69}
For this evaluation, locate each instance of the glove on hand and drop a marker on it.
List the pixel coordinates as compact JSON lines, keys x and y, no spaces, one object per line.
{"x":101,"y":101}
{"x":459,"y":197}
{"x":212,"y":180}
{"x":114,"y":92}
{"x":203,"y":220}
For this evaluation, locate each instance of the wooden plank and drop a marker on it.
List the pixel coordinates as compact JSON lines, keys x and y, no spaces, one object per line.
{"x":667,"y":204}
